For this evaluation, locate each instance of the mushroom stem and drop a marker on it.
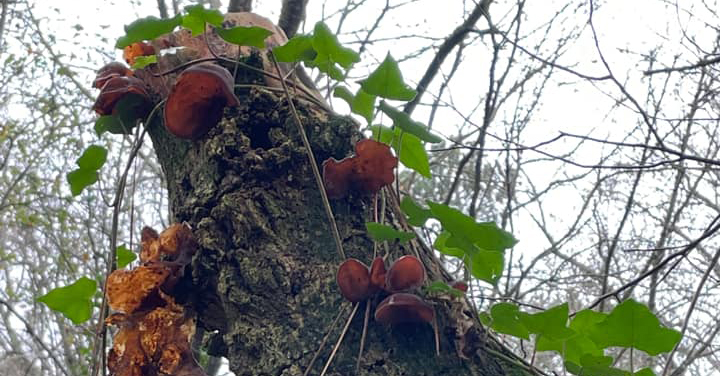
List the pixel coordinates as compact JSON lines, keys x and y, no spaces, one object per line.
{"x":342,"y":335}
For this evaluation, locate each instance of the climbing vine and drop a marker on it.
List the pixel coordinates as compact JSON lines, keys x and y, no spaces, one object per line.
{"x":581,"y":338}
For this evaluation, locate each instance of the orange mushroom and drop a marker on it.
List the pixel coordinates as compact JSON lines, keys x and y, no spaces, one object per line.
{"x":196,"y":102}
{"x":406,"y":273}
{"x":353,"y":278}
{"x":137,"y":49}
{"x":402,"y":307}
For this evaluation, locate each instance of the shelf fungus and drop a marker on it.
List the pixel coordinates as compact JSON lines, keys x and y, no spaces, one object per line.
{"x":369,"y":170}
{"x":196,"y":102}
{"x":402,"y":308}
{"x":154,"y":331}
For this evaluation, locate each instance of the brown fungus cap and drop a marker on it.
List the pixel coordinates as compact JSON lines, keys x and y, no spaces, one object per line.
{"x":116,"y":88}
{"x":377,"y":274}
{"x":353,"y":278}
{"x":402,"y":307}
{"x":369,"y":170}
{"x":406,"y":273}
{"x":108,"y":71}
{"x":196,"y":102}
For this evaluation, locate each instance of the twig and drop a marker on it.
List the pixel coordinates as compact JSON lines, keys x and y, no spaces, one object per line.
{"x":100,"y":331}
{"x":324,"y":341}
{"x":342,"y":335}
{"x":313,"y":163}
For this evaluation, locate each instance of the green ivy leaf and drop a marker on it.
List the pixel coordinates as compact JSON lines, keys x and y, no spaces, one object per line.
{"x":417,"y":215}
{"x":143,"y":61}
{"x":124,"y":256}
{"x":485,"y":265}
{"x":93,"y":158}
{"x":441,"y":245}
{"x":73,"y":301}
{"x":81,"y":179}
{"x":440,"y":287}
{"x":579,"y":344}
{"x":331,"y":52}
{"x":409,"y":149}
{"x":197,"y":16}
{"x":595,"y":366}
{"x":644,"y":372}
{"x":506,"y":319}
{"x":299,"y":48}
{"x":245,"y":36}
{"x":403,"y":121}
{"x":380,"y":232}
{"x":147,"y":28}
{"x":361,"y":103}
{"x":387,"y":82}
{"x":485,"y":318}
{"x":551,"y":323}
{"x":631,"y":324}
{"x":466,"y":232}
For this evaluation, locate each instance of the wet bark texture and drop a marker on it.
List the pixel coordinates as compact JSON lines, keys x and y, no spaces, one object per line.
{"x":263,"y":282}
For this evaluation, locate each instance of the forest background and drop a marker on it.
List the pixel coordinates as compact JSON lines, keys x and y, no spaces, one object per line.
{"x":588,"y":129}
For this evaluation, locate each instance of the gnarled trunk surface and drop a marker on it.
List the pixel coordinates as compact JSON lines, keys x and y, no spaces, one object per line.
{"x":263,"y":281}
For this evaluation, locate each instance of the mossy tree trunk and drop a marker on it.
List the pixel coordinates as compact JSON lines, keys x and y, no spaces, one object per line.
{"x":263,"y":282}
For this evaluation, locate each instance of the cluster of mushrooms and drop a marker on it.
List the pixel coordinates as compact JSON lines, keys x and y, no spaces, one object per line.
{"x":357,"y":282}
{"x":194,"y":105}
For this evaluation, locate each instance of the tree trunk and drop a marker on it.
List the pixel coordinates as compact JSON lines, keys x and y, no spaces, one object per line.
{"x":263,"y":280}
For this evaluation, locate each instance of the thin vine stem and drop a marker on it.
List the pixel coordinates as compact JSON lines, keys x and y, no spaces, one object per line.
{"x":100,"y":329}
{"x":313,"y":163}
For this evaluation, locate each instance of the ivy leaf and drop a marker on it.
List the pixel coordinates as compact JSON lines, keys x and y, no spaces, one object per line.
{"x":506,"y":319}
{"x":551,"y":323}
{"x":331,"y":52}
{"x":485,"y":265}
{"x":147,"y":28}
{"x":143,"y":61}
{"x":73,"y":301}
{"x":409,"y":149}
{"x":631,"y":324}
{"x":299,"y":48}
{"x":361,"y":103}
{"x":380,"y":232}
{"x":440,"y":287}
{"x":441,"y":245}
{"x":81,"y":179}
{"x":644,"y":372}
{"x":466,"y":232}
{"x":387,"y":82}
{"x":245,"y":36}
{"x":595,"y":366}
{"x":417,"y":215}
{"x":93,"y":158}
{"x":197,"y":16}
{"x":579,"y":344}
{"x":403,"y":121}
{"x":124,"y":256}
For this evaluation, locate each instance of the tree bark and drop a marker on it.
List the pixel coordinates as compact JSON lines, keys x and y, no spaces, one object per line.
{"x":263,"y":280}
